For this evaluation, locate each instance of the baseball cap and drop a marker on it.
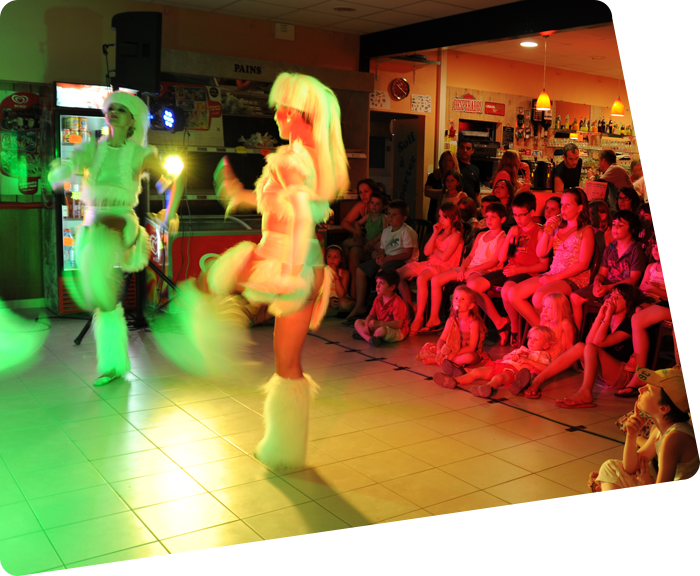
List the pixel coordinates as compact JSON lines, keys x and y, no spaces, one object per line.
{"x":671,"y":381}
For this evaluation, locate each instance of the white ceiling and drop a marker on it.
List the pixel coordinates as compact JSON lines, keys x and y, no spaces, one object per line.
{"x":359,"y":16}
{"x":658,"y":42}
{"x":592,"y":51}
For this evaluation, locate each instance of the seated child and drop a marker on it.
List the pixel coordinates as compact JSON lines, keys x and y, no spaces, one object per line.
{"x":552,"y":207}
{"x":444,"y":249}
{"x":398,"y":246}
{"x":671,"y":441}
{"x":535,"y":357}
{"x":623,"y":263}
{"x":388,"y":319}
{"x":482,"y":258}
{"x":462,"y":340}
{"x":374,"y":222}
{"x":340,"y":282}
{"x":647,"y":235}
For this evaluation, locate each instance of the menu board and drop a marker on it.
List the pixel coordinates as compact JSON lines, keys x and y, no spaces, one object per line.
{"x":20,"y":114}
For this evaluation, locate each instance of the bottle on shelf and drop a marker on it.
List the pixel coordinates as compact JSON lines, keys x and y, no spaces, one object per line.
{"x":447,"y":140}
{"x":567,"y":123}
{"x":557,"y":124}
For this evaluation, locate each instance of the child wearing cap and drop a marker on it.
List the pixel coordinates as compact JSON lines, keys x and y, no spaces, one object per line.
{"x":671,"y":441}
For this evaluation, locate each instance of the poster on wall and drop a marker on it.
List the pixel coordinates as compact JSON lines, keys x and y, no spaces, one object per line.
{"x":20,"y":144}
{"x":689,"y":132}
{"x":421,"y":103}
{"x":508,"y":137}
{"x":468,"y":103}
{"x":655,"y":132}
{"x":379,"y":100}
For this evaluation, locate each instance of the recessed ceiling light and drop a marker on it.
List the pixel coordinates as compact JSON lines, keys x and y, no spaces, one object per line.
{"x":344,"y":9}
{"x":528,"y":44}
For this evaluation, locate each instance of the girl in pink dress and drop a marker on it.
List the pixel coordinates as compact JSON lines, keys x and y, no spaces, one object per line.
{"x":571,"y":237}
{"x":444,"y":250}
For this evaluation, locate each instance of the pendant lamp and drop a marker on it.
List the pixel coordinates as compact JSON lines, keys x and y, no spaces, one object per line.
{"x":618,"y":108}
{"x":679,"y":115}
{"x":543,"y":101}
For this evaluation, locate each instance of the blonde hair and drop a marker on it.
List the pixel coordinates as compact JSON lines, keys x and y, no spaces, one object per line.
{"x":561,"y":311}
{"x":319,"y":107}
{"x":545,"y":332}
{"x":474,"y":312}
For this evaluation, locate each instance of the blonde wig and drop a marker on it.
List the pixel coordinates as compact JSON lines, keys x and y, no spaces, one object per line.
{"x":319,"y":107}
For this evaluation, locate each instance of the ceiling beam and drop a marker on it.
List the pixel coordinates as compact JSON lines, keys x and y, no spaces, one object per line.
{"x":496,"y":23}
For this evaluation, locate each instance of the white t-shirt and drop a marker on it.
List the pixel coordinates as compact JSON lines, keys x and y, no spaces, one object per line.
{"x":692,"y":201}
{"x":648,"y":187}
{"x":396,"y":242}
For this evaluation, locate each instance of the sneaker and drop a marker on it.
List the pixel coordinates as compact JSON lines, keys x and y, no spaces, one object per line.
{"x":356,"y":335}
{"x":522,"y":381}
{"x":374,"y":341}
{"x":482,"y":390}
{"x":444,"y":380}
{"x":609,"y":533}
{"x":452,"y":369}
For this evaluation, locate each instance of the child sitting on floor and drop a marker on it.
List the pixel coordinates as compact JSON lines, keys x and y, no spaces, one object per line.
{"x":340,"y":282}
{"x":462,"y":340}
{"x":388,"y":319}
{"x":482,"y":258}
{"x":671,"y":441}
{"x":535,"y":357}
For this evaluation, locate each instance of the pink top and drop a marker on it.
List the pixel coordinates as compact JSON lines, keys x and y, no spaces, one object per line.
{"x":656,"y":275}
{"x":566,"y":254}
{"x":441,"y":244}
{"x":394,"y":309}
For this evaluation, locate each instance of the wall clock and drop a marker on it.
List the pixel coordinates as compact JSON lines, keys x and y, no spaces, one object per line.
{"x":399,"y":88}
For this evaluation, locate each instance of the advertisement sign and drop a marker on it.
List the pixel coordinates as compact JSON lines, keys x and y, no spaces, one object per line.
{"x":494,"y":108}
{"x":20,"y":144}
{"x":468,"y":103}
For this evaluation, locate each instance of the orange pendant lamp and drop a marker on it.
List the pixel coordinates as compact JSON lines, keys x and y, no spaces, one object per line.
{"x":679,"y":115}
{"x":543,"y":101}
{"x":618,"y":108}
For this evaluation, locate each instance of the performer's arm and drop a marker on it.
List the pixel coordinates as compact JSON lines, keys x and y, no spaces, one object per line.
{"x":229,"y":189}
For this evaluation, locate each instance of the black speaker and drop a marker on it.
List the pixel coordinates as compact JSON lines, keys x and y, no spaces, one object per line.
{"x":138,"y":50}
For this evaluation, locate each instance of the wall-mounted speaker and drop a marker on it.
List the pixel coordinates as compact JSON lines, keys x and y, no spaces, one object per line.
{"x":138,"y":50}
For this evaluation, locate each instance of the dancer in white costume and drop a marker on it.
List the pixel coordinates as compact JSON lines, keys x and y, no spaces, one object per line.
{"x":110,"y":235}
{"x":286,"y":269}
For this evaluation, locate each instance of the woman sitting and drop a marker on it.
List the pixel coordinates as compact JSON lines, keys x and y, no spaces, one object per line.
{"x":510,"y":167}
{"x":435,"y":185}
{"x":570,"y":235}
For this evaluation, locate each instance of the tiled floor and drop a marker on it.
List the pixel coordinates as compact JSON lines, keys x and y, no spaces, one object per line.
{"x":161,"y":462}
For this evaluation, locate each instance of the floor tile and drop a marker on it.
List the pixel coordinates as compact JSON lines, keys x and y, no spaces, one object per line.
{"x":246,"y":441}
{"x":185,"y":515}
{"x":82,"y":411}
{"x":441,"y":451}
{"x":95,"y":427}
{"x":386,"y":395}
{"x":9,"y":491}
{"x":418,"y":408}
{"x":157,"y":488}
{"x":598,"y":458}
{"x":77,"y":506}
{"x":230,"y":472}
{"x":534,"y":542}
{"x":257,"y":498}
{"x":18,"y":403}
{"x":533,"y":456}
{"x":212,"y":408}
{"x":201,"y":452}
{"x":98,"y":537}
{"x":350,"y":445}
{"x":369,"y":418}
{"x":327,"y":480}
{"x":483,"y":561}
{"x":17,"y":519}
{"x":173,"y":434}
{"x":234,"y":423}
{"x":304,"y":518}
{"x":429,"y":487}
{"x":21,"y":420}
{"x":328,"y":426}
{"x":529,"y":489}
{"x":349,"y":554}
{"x":477,"y":513}
{"x":490,"y":438}
{"x":450,"y":423}
{"x":28,"y":554}
{"x":579,"y":444}
{"x":413,"y":534}
{"x":134,"y":465}
{"x":57,"y":480}
{"x":484,"y":471}
{"x":457,"y":399}
{"x":218,"y":547}
{"x":403,"y":434}
{"x":144,"y":419}
{"x":341,"y":403}
{"x":494,"y":413}
{"x":573,"y":475}
{"x":149,"y":559}
{"x":198,"y":393}
{"x":38,"y":457}
{"x":367,"y":505}
{"x":532,"y":427}
{"x":387,"y":465}
{"x":114,"y":445}
{"x":138,"y":402}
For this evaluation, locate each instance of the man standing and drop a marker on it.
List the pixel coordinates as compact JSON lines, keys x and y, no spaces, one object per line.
{"x":567,"y":174}
{"x":648,"y":186}
{"x":470,"y":173}
{"x":690,"y":179}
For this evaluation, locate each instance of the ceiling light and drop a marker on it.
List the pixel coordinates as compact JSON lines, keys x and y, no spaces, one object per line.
{"x":529,"y":44}
{"x":618,"y":107}
{"x":679,"y":115}
{"x":543,"y":101}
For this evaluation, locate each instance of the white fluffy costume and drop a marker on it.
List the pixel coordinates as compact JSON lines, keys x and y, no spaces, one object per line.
{"x":111,"y":187}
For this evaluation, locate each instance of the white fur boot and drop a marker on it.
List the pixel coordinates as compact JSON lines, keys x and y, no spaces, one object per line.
{"x":112,"y":339}
{"x":286,"y":422}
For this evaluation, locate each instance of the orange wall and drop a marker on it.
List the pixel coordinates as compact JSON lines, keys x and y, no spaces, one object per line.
{"x":48,"y":40}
